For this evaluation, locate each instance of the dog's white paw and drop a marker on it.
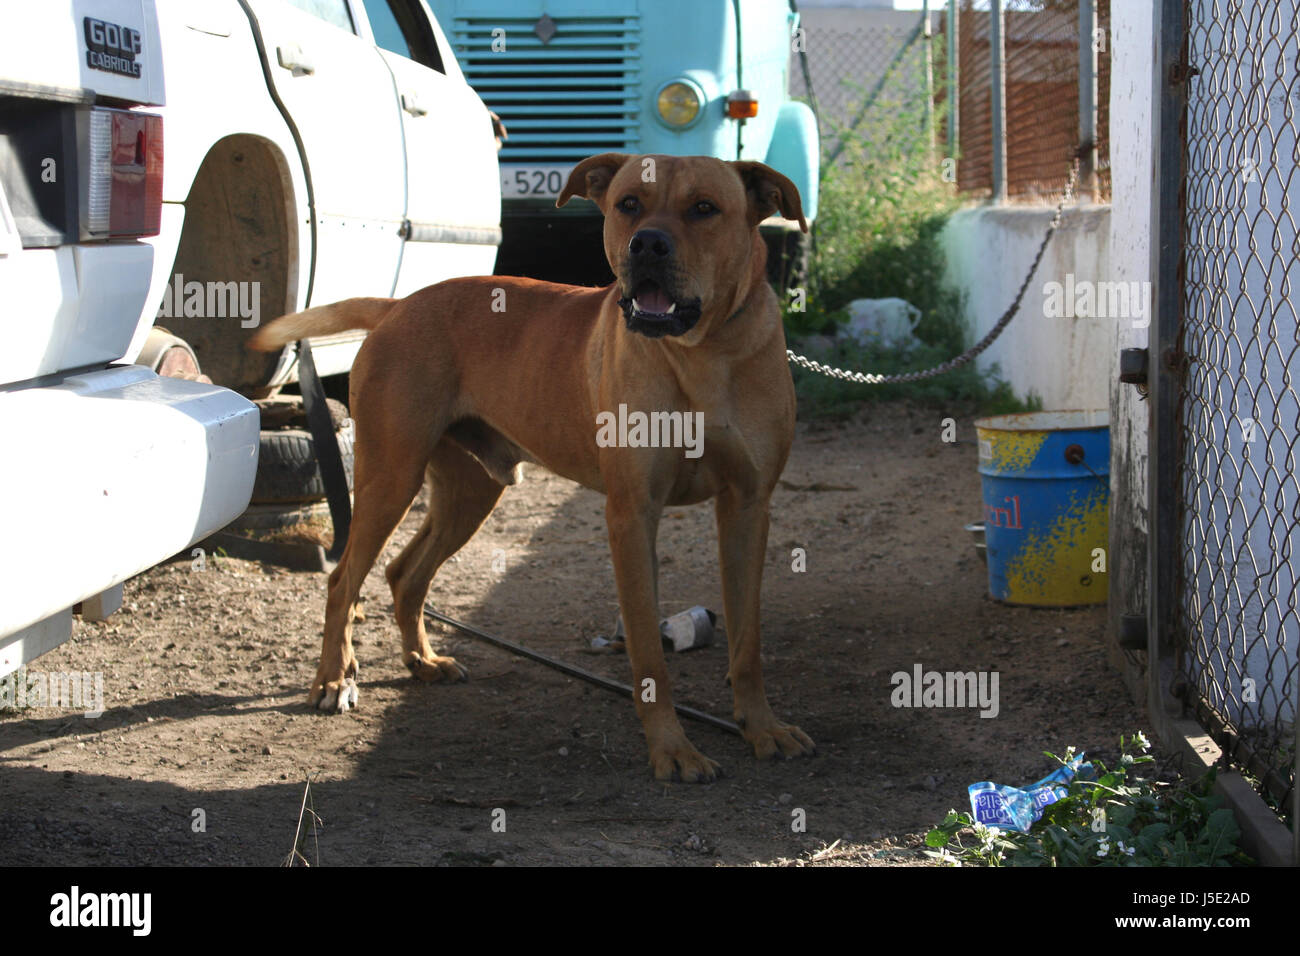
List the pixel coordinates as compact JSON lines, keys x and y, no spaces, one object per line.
{"x":338,"y":697}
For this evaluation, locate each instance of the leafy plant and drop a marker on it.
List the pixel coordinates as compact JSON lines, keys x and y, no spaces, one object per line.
{"x":1117,"y":818}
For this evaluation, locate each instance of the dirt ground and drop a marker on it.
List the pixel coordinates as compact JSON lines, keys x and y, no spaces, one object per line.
{"x":206,"y":671}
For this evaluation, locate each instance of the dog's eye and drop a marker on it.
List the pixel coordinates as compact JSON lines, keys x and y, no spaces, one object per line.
{"x":630,"y":204}
{"x":704,"y":208}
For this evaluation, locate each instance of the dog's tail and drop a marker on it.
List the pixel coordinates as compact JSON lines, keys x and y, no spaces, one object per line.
{"x":364,"y":313}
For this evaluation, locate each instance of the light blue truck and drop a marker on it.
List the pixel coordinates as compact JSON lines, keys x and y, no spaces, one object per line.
{"x":570,"y":78}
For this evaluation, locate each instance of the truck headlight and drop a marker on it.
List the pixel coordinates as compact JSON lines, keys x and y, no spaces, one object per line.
{"x":678,"y":104}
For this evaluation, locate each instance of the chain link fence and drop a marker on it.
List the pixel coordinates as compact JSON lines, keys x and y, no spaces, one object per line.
{"x":1238,"y":421}
{"x":1028,"y":143}
{"x":865,"y":65}
{"x":974,"y":146}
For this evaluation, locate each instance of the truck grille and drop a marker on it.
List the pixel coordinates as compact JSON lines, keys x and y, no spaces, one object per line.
{"x":561,"y":101}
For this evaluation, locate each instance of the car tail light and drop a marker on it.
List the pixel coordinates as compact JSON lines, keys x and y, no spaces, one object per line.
{"x":121,"y":156}
{"x":741,"y":104}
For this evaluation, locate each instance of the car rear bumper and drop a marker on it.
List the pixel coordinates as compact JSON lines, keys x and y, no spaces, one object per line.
{"x":107,"y":473}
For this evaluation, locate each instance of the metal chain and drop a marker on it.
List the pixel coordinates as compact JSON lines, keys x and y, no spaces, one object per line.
{"x":869,"y":378}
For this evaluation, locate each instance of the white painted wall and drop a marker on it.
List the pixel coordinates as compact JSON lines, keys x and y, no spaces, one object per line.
{"x":1132,"y":190}
{"x":1064,"y":361}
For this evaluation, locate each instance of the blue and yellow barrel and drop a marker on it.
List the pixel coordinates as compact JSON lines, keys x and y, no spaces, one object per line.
{"x":1046,"y":498}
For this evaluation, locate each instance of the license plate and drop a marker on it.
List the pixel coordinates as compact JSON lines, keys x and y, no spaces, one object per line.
{"x":533,"y":182}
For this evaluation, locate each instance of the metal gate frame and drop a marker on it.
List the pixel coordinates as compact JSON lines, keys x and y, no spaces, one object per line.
{"x":1168,"y":699}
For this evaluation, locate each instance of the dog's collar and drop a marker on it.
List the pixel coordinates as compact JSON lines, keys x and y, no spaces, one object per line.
{"x":743,"y":306}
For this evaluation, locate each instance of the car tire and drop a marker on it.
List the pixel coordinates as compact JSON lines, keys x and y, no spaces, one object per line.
{"x":287,"y":470}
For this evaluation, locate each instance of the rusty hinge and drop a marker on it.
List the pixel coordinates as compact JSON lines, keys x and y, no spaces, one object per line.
{"x":1180,"y":73}
{"x":1175,"y":360}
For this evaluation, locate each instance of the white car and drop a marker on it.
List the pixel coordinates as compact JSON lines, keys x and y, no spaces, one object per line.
{"x":314,"y":150}
{"x":317,"y":150}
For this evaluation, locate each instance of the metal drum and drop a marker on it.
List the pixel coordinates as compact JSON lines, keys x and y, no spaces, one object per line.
{"x":1046,"y":496}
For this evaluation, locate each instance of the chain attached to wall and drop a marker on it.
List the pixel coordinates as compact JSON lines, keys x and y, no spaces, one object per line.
{"x":871,"y":378}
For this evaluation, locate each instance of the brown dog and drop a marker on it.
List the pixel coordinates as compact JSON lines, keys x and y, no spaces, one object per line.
{"x":462,"y":381}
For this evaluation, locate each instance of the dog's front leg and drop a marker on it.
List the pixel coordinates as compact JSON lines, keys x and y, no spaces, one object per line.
{"x":742,"y":545}
{"x":633,"y":523}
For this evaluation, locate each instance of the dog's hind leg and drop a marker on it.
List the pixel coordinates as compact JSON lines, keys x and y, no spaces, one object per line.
{"x":461,"y":496}
{"x":387,"y":480}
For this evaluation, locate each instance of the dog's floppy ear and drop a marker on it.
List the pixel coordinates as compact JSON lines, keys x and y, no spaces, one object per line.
{"x":769,"y":191}
{"x":591,"y":177}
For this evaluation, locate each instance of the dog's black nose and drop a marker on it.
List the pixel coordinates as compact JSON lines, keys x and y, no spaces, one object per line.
{"x":650,"y":245}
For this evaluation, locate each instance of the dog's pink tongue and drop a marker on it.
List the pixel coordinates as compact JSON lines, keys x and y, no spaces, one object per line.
{"x":653,"y":299}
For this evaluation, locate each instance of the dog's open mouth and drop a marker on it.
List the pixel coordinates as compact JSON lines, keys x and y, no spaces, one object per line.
{"x":652,"y":312}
